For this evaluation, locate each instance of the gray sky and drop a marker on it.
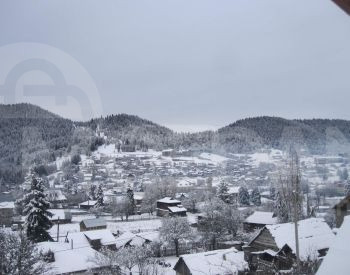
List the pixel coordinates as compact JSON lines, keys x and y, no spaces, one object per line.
{"x":197,"y":63}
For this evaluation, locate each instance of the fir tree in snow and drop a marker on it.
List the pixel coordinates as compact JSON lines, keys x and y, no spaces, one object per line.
{"x":36,"y":205}
{"x":223,"y":191}
{"x":243,"y":196}
{"x":92,"y":192}
{"x":99,"y":202}
{"x":256,"y":197}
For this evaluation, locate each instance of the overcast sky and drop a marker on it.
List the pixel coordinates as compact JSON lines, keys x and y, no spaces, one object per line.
{"x":195,"y":63}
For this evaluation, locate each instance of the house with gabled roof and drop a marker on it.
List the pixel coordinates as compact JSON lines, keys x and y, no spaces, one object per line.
{"x":170,"y":207}
{"x":274,"y":246}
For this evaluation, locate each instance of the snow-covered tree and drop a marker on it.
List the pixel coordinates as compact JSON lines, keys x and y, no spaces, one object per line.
{"x":223,"y":191}
{"x":232,"y":219}
{"x":19,"y":256}
{"x":243,"y":196}
{"x":100,"y":202}
{"x":174,"y":230}
{"x":256,"y":197}
{"x":36,"y":205}
{"x":212,"y":225}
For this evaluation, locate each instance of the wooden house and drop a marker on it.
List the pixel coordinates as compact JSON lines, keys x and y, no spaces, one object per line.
{"x":342,"y":209}
{"x":170,"y":207}
{"x":274,"y":246}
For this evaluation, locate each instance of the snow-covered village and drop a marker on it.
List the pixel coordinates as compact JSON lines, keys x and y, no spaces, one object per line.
{"x":188,"y":137}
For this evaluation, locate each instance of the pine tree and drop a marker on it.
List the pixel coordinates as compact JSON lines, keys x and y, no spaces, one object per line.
{"x":99,"y":202}
{"x":36,"y":207}
{"x":243,"y":196}
{"x":223,"y":191}
{"x":256,"y":197}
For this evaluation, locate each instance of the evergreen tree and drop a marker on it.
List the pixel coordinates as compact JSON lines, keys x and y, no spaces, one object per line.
{"x":130,"y":201}
{"x":92,"y":192}
{"x":99,"y":202}
{"x":256,"y":197}
{"x":223,"y":191}
{"x":36,"y":207}
{"x":281,"y":209}
{"x":243,"y":196}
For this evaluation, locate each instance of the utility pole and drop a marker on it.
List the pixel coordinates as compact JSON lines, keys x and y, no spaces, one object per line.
{"x":295,"y":178}
{"x":58,"y":228}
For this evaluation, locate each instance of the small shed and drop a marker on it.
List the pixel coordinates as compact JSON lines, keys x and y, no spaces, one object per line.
{"x":93,"y":224}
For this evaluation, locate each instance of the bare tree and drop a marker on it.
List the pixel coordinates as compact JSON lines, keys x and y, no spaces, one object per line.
{"x":174,"y":230}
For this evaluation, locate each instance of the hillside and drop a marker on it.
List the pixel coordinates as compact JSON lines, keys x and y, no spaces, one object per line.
{"x":31,"y":135}
{"x":317,"y":135}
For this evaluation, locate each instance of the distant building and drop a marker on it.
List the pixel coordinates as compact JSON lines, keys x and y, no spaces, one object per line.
{"x":93,"y":224}
{"x":227,"y":261}
{"x":61,"y":216}
{"x":56,"y":197}
{"x":6,"y":213}
{"x":170,"y":207}
{"x":342,"y":209}
{"x":259,"y":220}
{"x":128,"y":148}
{"x":87,"y":204}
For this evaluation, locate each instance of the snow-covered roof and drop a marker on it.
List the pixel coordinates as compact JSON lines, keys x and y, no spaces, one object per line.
{"x":7,"y":204}
{"x":81,"y":239}
{"x":233,"y":189}
{"x":176,"y":209}
{"x":136,"y":239}
{"x":314,"y":234}
{"x":69,"y":260}
{"x":259,"y":217}
{"x":226,"y":261}
{"x":88,"y":203}
{"x":168,"y":200}
{"x":337,"y":259}
{"x":94,"y":222}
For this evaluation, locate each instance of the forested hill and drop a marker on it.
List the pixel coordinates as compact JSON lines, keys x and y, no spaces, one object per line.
{"x":31,"y":135}
{"x":133,"y":129}
{"x":317,"y":135}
